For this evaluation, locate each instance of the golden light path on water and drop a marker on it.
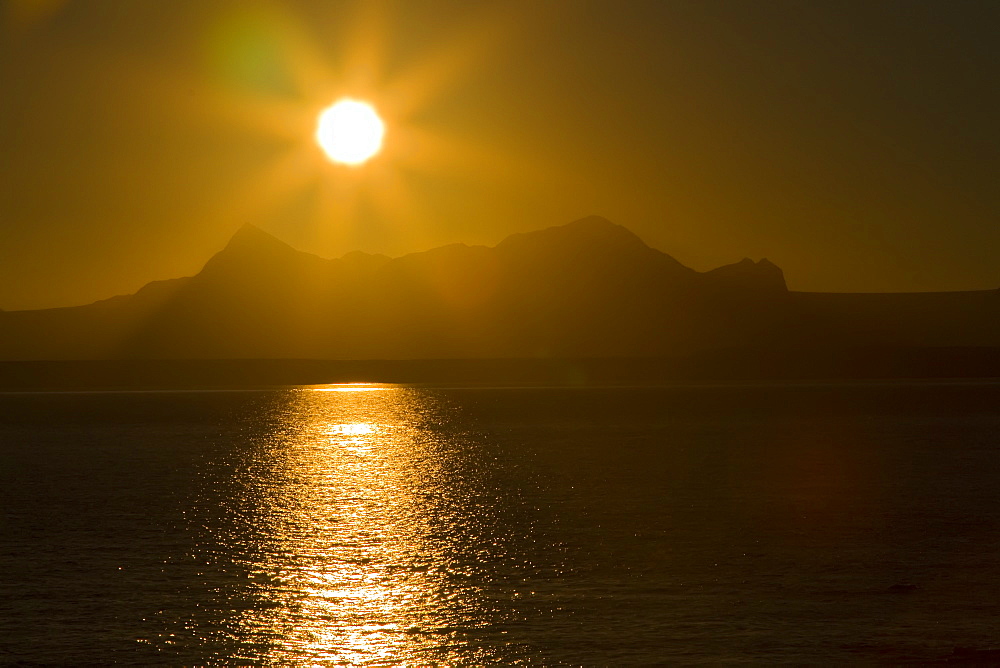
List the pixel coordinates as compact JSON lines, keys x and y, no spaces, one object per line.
{"x":354,"y":575}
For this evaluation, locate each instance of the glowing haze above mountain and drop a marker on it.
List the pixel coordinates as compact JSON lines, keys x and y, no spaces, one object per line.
{"x":854,"y":144}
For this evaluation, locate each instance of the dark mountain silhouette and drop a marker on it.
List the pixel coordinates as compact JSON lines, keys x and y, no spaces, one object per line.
{"x":749,"y":277}
{"x":587,"y":289}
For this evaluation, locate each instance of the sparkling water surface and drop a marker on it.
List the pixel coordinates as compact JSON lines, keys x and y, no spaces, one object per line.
{"x":392,"y":525}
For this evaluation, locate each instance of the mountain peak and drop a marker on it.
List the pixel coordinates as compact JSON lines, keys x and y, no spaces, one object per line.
{"x":747,"y":274}
{"x":251,"y":246}
{"x":598,"y":227}
{"x":251,"y":236}
{"x":584,"y":231}
{"x":592,"y":222}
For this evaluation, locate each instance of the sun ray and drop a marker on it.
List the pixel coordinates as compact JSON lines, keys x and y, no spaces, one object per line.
{"x":473,"y":160}
{"x":415,"y":88}
{"x":366,"y":49}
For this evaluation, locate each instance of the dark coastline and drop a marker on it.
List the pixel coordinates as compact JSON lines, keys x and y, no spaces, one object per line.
{"x":716,"y":366}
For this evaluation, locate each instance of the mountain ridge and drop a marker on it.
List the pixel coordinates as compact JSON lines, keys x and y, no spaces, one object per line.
{"x":589,"y":288}
{"x":260,"y":243}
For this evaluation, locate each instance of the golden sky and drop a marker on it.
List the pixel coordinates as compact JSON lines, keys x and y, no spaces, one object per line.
{"x":854,"y":144}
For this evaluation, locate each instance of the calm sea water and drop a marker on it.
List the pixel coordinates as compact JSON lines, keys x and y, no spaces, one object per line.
{"x":387,"y":525}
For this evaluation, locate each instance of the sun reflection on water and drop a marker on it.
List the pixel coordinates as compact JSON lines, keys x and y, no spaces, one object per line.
{"x":347,"y":387}
{"x":352,"y":575}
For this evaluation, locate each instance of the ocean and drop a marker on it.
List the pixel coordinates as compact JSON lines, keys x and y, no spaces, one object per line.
{"x":379,"y":525}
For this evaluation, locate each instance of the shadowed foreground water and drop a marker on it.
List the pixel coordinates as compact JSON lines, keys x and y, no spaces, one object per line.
{"x":386,"y":525}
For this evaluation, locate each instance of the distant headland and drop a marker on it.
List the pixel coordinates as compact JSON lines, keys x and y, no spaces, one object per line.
{"x":587,"y":290}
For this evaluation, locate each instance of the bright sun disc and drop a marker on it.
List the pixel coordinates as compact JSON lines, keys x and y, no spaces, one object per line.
{"x":350,"y":132}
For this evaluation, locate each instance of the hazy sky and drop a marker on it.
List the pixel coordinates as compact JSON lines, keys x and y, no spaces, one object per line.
{"x":854,"y":144}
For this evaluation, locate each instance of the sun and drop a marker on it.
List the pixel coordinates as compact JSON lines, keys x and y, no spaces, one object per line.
{"x":350,"y":131}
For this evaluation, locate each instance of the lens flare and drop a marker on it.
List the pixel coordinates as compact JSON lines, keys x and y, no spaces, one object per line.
{"x":350,"y":132}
